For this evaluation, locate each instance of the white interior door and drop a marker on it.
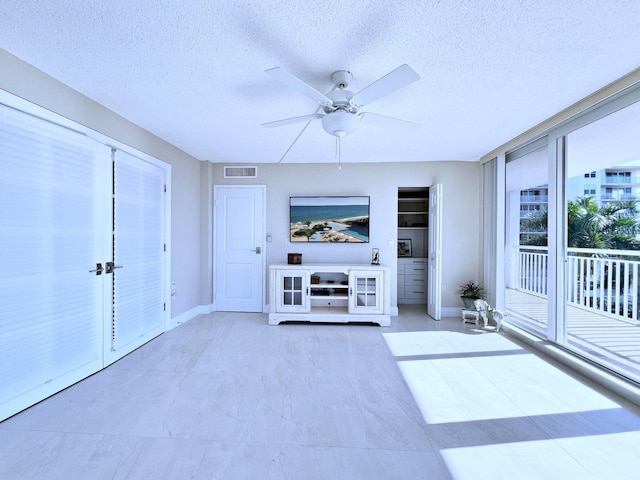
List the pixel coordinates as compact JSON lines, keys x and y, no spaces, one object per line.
{"x":139,"y":251}
{"x":239,"y":248}
{"x":434,"y":295}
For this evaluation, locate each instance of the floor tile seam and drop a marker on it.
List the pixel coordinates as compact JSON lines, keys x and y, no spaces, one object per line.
{"x":150,"y":370}
{"x":465,"y":401}
{"x":547,"y":430}
{"x":569,"y":408}
{"x":48,"y":430}
{"x":104,"y":435}
{"x":597,"y":430}
{"x":431,"y":448}
{"x":567,"y":452}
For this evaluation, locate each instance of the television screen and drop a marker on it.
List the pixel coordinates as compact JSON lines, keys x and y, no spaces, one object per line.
{"x":329,"y":219}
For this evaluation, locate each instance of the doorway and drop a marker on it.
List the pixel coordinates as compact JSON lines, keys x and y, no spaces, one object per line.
{"x":239,"y":260}
{"x":420,"y":247}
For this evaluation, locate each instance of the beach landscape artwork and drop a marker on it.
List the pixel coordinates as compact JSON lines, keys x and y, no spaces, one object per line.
{"x":329,"y":219}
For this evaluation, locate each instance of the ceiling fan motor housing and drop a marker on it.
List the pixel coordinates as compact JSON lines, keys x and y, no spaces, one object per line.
{"x":340,"y":123}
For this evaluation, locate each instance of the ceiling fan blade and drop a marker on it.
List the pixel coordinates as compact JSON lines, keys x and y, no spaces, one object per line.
{"x":289,"y":121}
{"x":385,"y":121}
{"x":392,"y":81}
{"x":298,"y":85}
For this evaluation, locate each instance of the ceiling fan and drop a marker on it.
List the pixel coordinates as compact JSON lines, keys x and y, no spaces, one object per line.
{"x":340,"y":109}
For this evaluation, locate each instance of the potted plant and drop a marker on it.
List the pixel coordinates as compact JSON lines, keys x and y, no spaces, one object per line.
{"x":469,"y":292}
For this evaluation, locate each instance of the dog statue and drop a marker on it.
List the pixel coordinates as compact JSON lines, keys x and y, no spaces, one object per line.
{"x":487,"y":312}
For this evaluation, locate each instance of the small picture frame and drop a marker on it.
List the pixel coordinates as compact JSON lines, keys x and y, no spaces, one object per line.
{"x":294,"y":258}
{"x":404,"y":247}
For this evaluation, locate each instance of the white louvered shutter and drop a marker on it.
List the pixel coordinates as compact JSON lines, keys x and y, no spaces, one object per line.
{"x":54,"y":187}
{"x":139,"y":293}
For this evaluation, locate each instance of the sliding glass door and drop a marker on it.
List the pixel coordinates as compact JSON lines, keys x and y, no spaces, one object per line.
{"x":602,"y":250}
{"x":572,"y":235}
{"x":526,"y":227}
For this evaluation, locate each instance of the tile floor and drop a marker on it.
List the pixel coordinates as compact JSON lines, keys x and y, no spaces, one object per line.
{"x":226,"y":396}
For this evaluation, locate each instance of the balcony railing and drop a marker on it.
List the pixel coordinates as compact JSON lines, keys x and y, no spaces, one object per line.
{"x":606,"y":281}
{"x":624,"y":196}
{"x":617,"y":180}
{"x":534,"y":198}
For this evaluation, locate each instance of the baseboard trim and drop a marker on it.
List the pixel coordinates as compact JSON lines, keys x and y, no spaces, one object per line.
{"x":451,"y":311}
{"x":190,"y":314}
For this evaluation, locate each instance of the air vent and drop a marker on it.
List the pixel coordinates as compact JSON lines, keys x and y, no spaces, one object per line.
{"x":240,"y":172}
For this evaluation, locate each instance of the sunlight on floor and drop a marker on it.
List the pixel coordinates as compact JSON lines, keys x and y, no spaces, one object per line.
{"x":501,"y":412}
{"x":456,"y":377}
{"x":403,"y":344}
{"x":591,"y":457}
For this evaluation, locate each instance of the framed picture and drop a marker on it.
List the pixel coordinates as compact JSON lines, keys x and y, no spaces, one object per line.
{"x":404,"y":247}
{"x":329,"y":219}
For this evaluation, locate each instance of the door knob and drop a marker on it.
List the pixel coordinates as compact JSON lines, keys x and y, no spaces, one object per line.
{"x":97,"y":270}
{"x":111,"y":267}
{"x":258,"y":250}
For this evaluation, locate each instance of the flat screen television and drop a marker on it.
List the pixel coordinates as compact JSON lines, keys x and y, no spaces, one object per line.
{"x":331,"y":219}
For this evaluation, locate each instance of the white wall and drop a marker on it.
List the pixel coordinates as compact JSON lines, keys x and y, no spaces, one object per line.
{"x":461,"y":211}
{"x":25,"y":81}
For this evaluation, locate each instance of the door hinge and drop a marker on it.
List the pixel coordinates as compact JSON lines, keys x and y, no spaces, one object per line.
{"x":165,"y":188}
{"x":164,"y":307}
{"x":164,"y":247}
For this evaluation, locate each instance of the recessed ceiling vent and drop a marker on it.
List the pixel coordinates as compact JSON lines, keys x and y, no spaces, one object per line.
{"x":240,"y":172}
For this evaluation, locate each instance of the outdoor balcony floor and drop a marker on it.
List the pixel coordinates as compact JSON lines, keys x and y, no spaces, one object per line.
{"x":605,"y":339}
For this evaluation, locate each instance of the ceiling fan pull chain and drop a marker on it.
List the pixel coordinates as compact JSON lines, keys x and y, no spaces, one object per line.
{"x":338,"y":152}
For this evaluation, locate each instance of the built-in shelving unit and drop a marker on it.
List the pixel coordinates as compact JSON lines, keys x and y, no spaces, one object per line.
{"x":413,"y":225}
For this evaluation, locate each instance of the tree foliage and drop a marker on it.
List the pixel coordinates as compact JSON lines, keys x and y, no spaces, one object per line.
{"x":614,"y":226}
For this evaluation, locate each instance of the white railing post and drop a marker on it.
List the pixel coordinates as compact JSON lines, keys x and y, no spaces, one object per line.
{"x":603,"y":280}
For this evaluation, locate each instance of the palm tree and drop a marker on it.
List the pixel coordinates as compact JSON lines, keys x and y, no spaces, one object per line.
{"x":614,"y":226}
{"x":622,"y":227}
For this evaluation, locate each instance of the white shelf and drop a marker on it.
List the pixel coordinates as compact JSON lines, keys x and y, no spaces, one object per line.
{"x":413,"y":208}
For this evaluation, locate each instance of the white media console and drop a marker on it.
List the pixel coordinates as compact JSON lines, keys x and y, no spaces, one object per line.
{"x":329,"y":293}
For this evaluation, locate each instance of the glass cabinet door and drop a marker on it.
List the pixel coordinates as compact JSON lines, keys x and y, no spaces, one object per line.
{"x":365,"y":290}
{"x":293,"y":292}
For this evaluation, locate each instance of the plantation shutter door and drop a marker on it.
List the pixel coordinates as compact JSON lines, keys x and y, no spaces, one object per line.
{"x":138,"y":253}
{"x":54,"y":191}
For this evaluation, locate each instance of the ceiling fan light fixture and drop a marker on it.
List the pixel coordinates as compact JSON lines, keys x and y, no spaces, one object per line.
{"x":340,"y":123}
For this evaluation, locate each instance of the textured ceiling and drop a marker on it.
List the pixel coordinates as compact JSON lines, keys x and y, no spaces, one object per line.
{"x":193,"y":72}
